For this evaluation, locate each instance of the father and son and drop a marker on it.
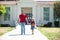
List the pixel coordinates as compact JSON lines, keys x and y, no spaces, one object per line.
{"x":23,"y":20}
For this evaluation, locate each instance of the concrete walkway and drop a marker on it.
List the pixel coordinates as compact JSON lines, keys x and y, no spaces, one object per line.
{"x":15,"y":34}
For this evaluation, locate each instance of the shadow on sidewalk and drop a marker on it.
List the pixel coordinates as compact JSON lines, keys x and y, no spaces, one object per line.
{"x":18,"y":34}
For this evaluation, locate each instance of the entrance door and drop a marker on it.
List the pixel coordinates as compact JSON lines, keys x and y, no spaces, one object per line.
{"x":28,"y":12}
{"x":29,"y":17}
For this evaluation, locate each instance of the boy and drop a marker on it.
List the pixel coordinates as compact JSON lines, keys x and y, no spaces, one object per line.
{"x":32,"y":25}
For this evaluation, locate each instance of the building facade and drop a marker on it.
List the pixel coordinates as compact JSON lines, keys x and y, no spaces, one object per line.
{"x":41,"y":11}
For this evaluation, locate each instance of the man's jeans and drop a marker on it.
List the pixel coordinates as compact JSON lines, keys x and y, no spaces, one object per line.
{"x":22,"y":28}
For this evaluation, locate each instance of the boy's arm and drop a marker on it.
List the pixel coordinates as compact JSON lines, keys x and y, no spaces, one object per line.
{"x":26,"y":20}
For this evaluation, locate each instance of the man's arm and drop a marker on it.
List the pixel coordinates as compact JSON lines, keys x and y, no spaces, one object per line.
{"x":18,"y":20}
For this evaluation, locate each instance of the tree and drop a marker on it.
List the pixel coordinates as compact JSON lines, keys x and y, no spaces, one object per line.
{"x":57,"y":9}
{"x":2,"y":9}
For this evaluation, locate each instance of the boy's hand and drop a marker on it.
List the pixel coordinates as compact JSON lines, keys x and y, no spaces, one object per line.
{"x":33,"y":24}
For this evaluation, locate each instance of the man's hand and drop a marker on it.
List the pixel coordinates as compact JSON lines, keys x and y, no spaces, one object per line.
{"x":26,"y":21}
{"x":18,"y":21}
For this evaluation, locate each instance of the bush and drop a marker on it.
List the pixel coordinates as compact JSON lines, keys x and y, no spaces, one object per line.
{"x":2,"y":9}
{"x":49,"y":24}
{"x":56,"y":23}
{"x":4,"y":25}
{"x":0,"y":13}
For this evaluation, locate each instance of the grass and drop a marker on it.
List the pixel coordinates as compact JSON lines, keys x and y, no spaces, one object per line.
{"x":51,"y":33}
{"x":5,"y":30}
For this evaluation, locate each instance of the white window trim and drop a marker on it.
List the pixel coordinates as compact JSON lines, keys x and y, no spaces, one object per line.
{"x":49,"y":13}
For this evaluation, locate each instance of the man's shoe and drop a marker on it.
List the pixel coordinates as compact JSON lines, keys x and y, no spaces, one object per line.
{"x":32,"y":33}
{"x":24,"y":33}
{"x":21,"y":34}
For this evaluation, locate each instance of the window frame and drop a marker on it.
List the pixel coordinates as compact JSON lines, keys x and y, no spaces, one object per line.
{"x":9,"y":14}
{"x":46,"y":14}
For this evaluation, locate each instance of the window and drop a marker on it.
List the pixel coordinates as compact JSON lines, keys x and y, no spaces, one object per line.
{"x":7,"y":14}
{"x":46,"y":13}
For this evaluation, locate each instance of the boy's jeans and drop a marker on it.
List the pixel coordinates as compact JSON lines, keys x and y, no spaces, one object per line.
{"x":22,"y":28}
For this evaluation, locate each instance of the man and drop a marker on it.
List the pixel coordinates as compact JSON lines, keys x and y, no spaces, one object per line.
{"x":22,"y":20}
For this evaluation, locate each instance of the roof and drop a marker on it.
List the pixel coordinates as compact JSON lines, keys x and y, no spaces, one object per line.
{"x":46,"y":2}
{"x":39,"y":2}
{"x":8,"y":2}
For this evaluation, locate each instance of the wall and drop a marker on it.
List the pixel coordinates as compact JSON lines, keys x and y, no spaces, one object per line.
{"x":13,"y":15}
{"x":28,"y":5}
{"x":37,"y":10}
{"x":26,"y":0}
{"x":40,"y":15}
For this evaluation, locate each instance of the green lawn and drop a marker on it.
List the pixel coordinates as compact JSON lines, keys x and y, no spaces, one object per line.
{"x":51,"y":33}
{"x":5,"y":30}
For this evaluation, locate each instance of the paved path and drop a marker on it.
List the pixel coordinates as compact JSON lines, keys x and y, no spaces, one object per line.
{"x":15,"y":35}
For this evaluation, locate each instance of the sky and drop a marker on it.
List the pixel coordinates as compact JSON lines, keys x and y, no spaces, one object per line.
{"x":47,"y":0}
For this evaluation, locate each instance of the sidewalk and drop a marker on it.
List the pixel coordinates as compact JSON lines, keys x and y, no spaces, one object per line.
{"x":15,"y":35}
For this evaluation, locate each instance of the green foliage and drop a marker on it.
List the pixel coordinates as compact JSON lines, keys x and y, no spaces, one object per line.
{"x":2,"y":9}
{"x":57,"y":9}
